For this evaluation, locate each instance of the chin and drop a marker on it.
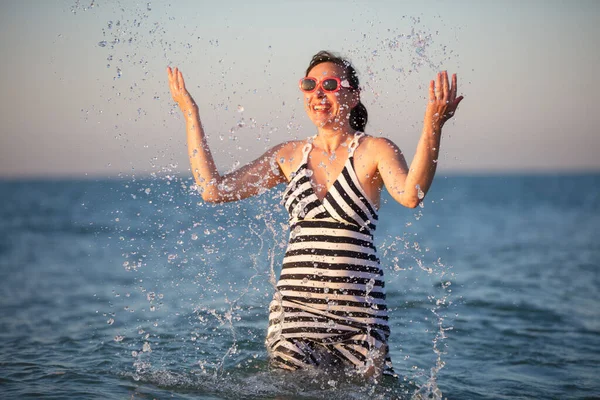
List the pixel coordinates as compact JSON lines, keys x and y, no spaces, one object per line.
{"x":327,"y":122}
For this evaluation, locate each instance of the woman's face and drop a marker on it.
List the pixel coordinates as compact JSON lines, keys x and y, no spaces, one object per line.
{"x":325,"y":109}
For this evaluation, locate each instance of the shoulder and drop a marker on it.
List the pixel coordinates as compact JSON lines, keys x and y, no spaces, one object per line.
{"x":292,"y":145}
{"x":285,"y":148}
{"x":288,"y":155}
{"x":290,"y":148}
{"x":377,"y":146}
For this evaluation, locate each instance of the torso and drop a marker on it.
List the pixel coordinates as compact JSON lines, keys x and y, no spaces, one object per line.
{"x":327,"y":168}
{"x":330,"y":305}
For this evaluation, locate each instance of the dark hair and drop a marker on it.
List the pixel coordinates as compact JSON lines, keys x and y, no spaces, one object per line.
{"x":359,"y":114}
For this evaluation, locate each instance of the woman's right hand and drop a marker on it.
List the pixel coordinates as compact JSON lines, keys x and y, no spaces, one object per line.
{"x":180,"y":94}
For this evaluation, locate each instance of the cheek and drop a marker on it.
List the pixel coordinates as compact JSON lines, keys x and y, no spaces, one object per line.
{"x":343,"y":103}
{"x":335,"y":98}
{"x":306,"y":103}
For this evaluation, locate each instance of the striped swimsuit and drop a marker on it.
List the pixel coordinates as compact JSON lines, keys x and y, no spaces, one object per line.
{"x":329,"y":308}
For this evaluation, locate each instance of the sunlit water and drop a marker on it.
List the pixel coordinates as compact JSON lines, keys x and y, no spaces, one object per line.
{"x":136,"y":289}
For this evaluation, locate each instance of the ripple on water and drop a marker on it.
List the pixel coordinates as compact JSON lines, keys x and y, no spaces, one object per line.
{"x":264,"y":384}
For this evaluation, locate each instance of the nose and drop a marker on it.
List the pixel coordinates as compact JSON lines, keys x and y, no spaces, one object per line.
{"x":319,"y":92}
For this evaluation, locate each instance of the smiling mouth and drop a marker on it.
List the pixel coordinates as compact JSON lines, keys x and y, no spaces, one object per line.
{"x":321,"y":108}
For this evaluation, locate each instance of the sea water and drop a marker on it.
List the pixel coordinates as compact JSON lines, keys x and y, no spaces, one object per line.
{"x":135,"y":288}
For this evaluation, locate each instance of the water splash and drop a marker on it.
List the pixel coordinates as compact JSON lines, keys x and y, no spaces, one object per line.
{"x":189,"y":252}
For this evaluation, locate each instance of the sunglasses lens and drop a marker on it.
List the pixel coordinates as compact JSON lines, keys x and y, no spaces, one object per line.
{"x":308,"y":85}
{"x":330,"y":85}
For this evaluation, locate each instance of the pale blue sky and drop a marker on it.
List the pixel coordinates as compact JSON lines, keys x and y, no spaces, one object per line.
{"x":527,"y":70}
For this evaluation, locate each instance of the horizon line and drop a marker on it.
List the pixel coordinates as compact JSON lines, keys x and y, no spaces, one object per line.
{"x":186,"y":176}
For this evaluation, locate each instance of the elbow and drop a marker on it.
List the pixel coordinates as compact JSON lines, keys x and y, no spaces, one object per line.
{"x":209,"y":196}
{"x":210,"y":199}
{"x":413,"y":203}
{"x":210,"y":192}
{"x":410,"y":201}
{"x":215,"y":196}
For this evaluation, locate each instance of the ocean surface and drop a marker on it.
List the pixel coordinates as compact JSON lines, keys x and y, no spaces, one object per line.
{"x":135,"y":289}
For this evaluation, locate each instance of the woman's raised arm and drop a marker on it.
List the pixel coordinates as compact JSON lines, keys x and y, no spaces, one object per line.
{"x":409,"y":186}
{"x":250,"y":180}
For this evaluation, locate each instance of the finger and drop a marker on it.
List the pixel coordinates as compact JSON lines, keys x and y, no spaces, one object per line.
{"x":431,"y":91}
{"x":173,"y":76}
{"x":453,"y":89}
{"x":175,"y":71}
{"x":453,"y":106}
{"x":171,"y":79}
{"x":181,"y":81}
{"x":173,"y":86}
{"x":445,"y":89}
{"x":438,"y":86}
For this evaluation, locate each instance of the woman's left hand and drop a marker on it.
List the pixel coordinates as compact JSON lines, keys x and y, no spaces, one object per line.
{"x":442,"y":102}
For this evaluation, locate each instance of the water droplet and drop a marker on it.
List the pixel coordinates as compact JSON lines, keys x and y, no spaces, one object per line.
{"x":146,"y":348}
{"x":119,"y":338}
{"x":110,"y":321}
{"x":102,"y":43}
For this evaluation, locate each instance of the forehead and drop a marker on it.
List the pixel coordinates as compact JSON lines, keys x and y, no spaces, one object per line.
{"x":326,"y":69}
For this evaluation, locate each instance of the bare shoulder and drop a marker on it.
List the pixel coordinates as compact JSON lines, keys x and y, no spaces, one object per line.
{"x":379,"y":146}
{"x":284,"y":149}
{"x":289,"y":155}
{"x":287,"y":149}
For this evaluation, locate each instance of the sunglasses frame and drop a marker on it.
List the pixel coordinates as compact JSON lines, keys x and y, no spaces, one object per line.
{"x":319,"y":83}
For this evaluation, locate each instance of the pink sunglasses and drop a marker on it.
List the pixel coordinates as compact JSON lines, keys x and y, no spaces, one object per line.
{"x":328,"y":85}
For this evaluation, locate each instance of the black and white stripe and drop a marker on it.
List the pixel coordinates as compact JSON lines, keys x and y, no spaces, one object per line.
{"x":330,"y":303}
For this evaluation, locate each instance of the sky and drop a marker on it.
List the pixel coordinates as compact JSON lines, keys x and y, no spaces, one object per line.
{"x":85,"y":90}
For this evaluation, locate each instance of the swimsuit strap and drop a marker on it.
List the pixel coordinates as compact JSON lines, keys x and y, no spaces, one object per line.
{"x":307,"y":148}
{"x":354,"y":143}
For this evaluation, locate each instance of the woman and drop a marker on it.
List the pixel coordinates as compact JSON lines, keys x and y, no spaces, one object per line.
{"x":329,"y":308}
